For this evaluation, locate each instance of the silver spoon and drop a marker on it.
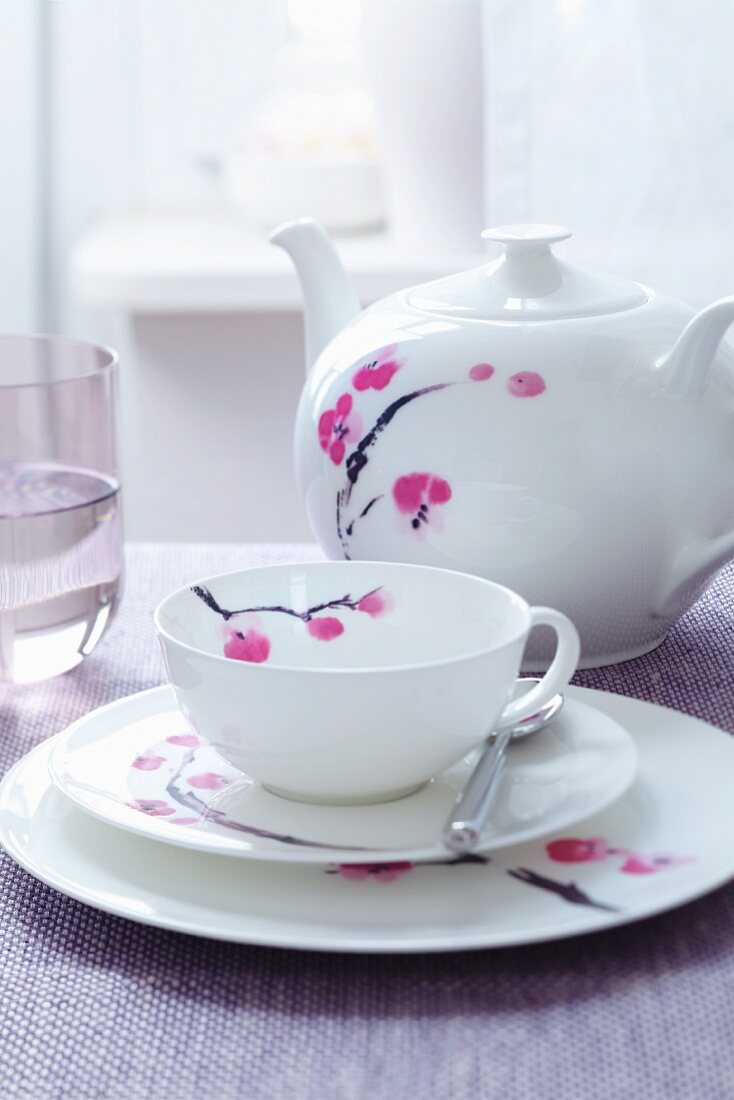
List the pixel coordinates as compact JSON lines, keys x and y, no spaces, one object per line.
{"x":470,"y":811}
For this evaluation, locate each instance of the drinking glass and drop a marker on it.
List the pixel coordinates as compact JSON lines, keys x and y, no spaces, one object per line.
{"x":61,"y":556}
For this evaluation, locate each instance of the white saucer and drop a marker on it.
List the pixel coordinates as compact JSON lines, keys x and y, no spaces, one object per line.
{"x":667,"y":841}
{"x":136,"y":764}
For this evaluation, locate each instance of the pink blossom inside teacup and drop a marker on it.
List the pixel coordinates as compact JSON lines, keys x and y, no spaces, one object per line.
{"x":351,"y":682}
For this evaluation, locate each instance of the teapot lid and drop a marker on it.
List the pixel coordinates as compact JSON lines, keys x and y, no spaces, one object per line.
{"x":526,"y":283}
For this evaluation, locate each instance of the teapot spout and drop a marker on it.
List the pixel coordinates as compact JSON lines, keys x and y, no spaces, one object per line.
{"x":684,"y":371}
{"x":329,"y":299}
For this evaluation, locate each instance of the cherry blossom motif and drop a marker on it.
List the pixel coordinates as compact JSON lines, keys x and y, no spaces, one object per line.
{"x":646,"y":865}
{"x":528,"y":383}
{"x":250,"y":646}
{"x":416,"y":494}
{"x":572,"y":850}
{"x":325,"y":628}
{"x":383,"y":872}
{"x":379,"y":371}
{"x":339,"y":426}
{"x":183,"y":820}
{"x":145,"y":763}
{"x":481,"y":372}
{"x":376,"y":603}
{"x":153,"y":807}
{"x":188,"y":740}
{"x":247,"y":641}
{"x":208,"y":781}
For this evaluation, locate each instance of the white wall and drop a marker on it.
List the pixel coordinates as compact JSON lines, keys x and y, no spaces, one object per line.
{"x":208,"y":407}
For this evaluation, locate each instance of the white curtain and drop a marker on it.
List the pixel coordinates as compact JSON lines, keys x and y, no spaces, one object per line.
{"x":616,"y":118}
{"x":21,"y":282}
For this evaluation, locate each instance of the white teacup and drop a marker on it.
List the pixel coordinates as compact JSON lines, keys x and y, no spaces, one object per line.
{"x":352,"y":682}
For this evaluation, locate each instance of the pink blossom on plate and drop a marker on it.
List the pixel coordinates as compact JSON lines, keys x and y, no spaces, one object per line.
{"x":325,"y":628}
{"x":593,"y":849}
{"x":376,"y":603}
{"x":188,"y":740}
{"x":251,"y":646}
{"x":183,"y":820}
{"x":528,"y":383}
{"x":636,"y":864}
{"x":383,"y":872}
{"x":339,"y":426}
{"x":208,"y":781}
{"x":146,"y":763}
{"x":480,"y":372}
{"x":378,"y":371}
{"x":575,"y":850}
{"x":153,"y":807}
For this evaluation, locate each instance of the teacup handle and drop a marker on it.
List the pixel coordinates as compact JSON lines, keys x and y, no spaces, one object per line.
{"x":563,"y":666}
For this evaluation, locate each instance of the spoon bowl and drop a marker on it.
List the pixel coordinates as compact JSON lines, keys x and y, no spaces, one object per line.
{"x":541,"y":718}
{"x":469,"y":814}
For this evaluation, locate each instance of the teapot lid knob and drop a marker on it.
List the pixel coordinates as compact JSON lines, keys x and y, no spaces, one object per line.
{"x":527,"y":282}
{"x":527,"y":238}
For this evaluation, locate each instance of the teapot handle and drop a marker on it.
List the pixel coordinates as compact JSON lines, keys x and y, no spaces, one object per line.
{"x":685,"y":369}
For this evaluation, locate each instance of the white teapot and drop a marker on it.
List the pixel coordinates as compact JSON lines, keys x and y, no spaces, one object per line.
{"x":568,"y":434}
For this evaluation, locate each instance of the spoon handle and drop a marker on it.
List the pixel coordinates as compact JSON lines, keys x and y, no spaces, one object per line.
{"x":469,"y":813}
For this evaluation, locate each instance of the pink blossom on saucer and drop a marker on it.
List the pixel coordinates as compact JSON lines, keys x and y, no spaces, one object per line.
{"x":325,"y":628}
{"x":183,"y":820}
{"x":376,"y":603}
{"x":251,"y":646}
{"x":379,"y":371}
{"x":528,"y":383}
{"x":480,"y":372}
{"x":188,"y":740}
{"x":145,"y":763}
{"x":153,"y":807}
{"x":339,"y":426}
{"x":208,"y":781}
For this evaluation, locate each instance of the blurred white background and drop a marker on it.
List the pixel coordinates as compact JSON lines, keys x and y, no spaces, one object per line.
{"x":149,"y":144}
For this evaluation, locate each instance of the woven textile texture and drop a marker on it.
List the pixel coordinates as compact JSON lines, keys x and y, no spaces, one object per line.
{"x":93,"y":1006}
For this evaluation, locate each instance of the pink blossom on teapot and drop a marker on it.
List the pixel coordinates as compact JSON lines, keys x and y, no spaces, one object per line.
{"x":417,"y":495}
{"x":339,"y":426}
{"x":379,"y":371}
{"x":528,"y":383}
{"x":480,"y":372}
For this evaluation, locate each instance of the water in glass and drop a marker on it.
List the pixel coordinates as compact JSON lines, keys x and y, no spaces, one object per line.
{"x":61,"y":564}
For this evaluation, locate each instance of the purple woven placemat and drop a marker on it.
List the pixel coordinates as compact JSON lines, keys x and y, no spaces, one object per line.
{"x":92,"y":1006}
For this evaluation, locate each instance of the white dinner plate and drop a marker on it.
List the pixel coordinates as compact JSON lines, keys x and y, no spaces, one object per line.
{"x":667,"y":841}
{"x":136,"y":764}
